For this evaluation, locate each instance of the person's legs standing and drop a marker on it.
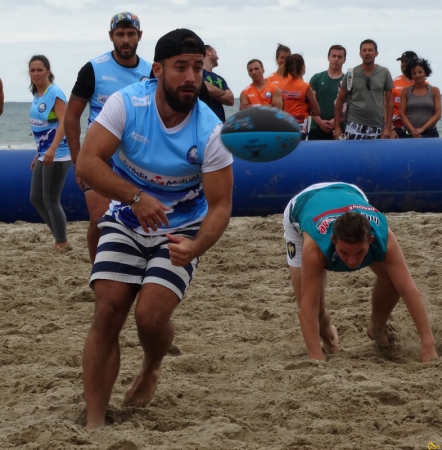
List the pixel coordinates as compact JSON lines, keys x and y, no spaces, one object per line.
{"x":101,"y":354}
{"x":97,"y":205}
{"x":36,"y":195}
{"x":53,"y":178}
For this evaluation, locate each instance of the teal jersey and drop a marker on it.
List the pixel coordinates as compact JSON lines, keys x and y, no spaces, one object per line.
{"x":316,"y":210}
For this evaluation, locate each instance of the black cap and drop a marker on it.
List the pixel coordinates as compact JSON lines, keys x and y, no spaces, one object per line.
{"x":175,"y":43}
{"x":407,"y":55}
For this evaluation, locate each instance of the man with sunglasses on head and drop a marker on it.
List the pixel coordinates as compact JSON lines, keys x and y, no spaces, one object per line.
{"x":97,"y":80}
{"x":370,"y":108}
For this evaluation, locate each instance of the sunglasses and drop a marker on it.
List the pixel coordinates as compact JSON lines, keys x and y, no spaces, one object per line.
{"x":367,"y":83}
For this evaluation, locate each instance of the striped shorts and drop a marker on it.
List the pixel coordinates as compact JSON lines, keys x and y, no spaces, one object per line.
{"x":129,"y":257}
{"x":358,"y":132}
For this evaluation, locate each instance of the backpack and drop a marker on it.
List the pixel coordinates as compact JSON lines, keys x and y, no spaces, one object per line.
{"x":348,"y":96}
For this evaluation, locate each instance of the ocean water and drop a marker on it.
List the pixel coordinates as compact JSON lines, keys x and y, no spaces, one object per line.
{"x":15,"y":131}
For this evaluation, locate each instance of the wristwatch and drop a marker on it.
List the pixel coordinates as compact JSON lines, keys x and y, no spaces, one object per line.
{"x":136,"y":198}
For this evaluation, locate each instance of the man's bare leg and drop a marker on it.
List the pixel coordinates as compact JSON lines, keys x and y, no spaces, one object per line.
{"x":101,"y":354}
{"x":97,"y":205}
{"x":327,"y":331}
{"x":384,"y":299}
{"x":154,"y":309}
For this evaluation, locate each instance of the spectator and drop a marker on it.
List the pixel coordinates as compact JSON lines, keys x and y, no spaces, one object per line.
{"x":297,"y":95}
{"x":260,"y":92}
{"x":216,"y":84}
{"x":420,"y":104}
{"x":399,"y":83}
{"x":325,"y":87}
{"x":282,"y":51}
{"x":370,"y":109}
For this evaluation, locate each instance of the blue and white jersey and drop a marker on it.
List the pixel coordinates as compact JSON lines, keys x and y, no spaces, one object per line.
{"x":166,"y":163}
{"x":111,"y":77}
{"x":44,"y":123}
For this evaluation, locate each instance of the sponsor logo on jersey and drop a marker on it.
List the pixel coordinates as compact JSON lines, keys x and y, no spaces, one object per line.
{"x":192,"y":155}
{"x":139,"y":138}
{"x":42,"y":107}
{"x":291,"y":250}
{"x":102,"y":98}
{"x":107,"y":78}
{"x":102,"y":59}
{"x":140,"y":101}
{"x":38,"y":123}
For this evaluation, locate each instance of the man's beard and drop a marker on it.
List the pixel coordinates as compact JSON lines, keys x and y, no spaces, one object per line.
{"x":126,"y":55}
{"x":173,"y":100}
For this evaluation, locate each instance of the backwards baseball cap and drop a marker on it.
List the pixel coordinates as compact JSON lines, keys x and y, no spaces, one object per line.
{"x":407,"y":55}
{"x":178,"y":42}
{"x":127,"y":17}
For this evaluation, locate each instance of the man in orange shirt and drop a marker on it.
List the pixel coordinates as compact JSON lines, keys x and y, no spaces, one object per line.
{"x":260,"y":92}
{"x":401,"y":82}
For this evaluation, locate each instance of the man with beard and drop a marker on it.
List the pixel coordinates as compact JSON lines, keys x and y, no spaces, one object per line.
{"x":171,"y":191}
{"x":219,"y":92}
{"x":97,"y":81}
{"x":370,"y":107}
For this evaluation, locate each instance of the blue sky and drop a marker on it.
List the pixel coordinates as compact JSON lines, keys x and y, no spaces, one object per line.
{"x":71,"y":32}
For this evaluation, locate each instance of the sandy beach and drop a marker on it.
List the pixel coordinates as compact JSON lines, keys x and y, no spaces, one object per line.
{"x":238,"y":376}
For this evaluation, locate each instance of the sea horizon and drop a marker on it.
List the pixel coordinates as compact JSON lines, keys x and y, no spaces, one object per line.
{"x":15,"y":131}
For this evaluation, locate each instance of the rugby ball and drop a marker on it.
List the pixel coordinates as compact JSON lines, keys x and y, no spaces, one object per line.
{"x":261,"y":134}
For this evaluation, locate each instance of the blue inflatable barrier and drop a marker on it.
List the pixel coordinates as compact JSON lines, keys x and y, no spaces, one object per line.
{"x":396,"y":175}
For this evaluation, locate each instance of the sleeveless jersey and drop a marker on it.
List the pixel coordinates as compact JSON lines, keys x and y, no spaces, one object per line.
{"x":111,"y":77}
{"x":294,"y":99}
{"x":165,"y":164}
{"x":399,"y":82}
{"x":275,"y":79}
{"x":262,"y":96}
{"x":316,"y":210}
{"x":44,"y":123}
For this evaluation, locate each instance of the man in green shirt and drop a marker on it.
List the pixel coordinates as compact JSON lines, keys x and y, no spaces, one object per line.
{"x":325,"y":86}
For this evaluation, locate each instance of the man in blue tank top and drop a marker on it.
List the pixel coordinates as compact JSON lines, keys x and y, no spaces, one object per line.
{"x":171,"y":190}
{"x":96,"y":82}
{"x":331,"y":226}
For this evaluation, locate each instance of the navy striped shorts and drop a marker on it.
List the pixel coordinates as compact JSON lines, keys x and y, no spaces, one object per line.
{"x":129,"y":257}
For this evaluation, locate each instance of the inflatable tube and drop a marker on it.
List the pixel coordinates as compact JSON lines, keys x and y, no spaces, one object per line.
{"x":397,"y":176}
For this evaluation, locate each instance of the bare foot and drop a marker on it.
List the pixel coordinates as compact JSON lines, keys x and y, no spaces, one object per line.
{"x":143,"y":388}
{"x":330,"y":342}
{"x":62,"y":248}
{"x":380,"y":337}
{"x":94,"y":425}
